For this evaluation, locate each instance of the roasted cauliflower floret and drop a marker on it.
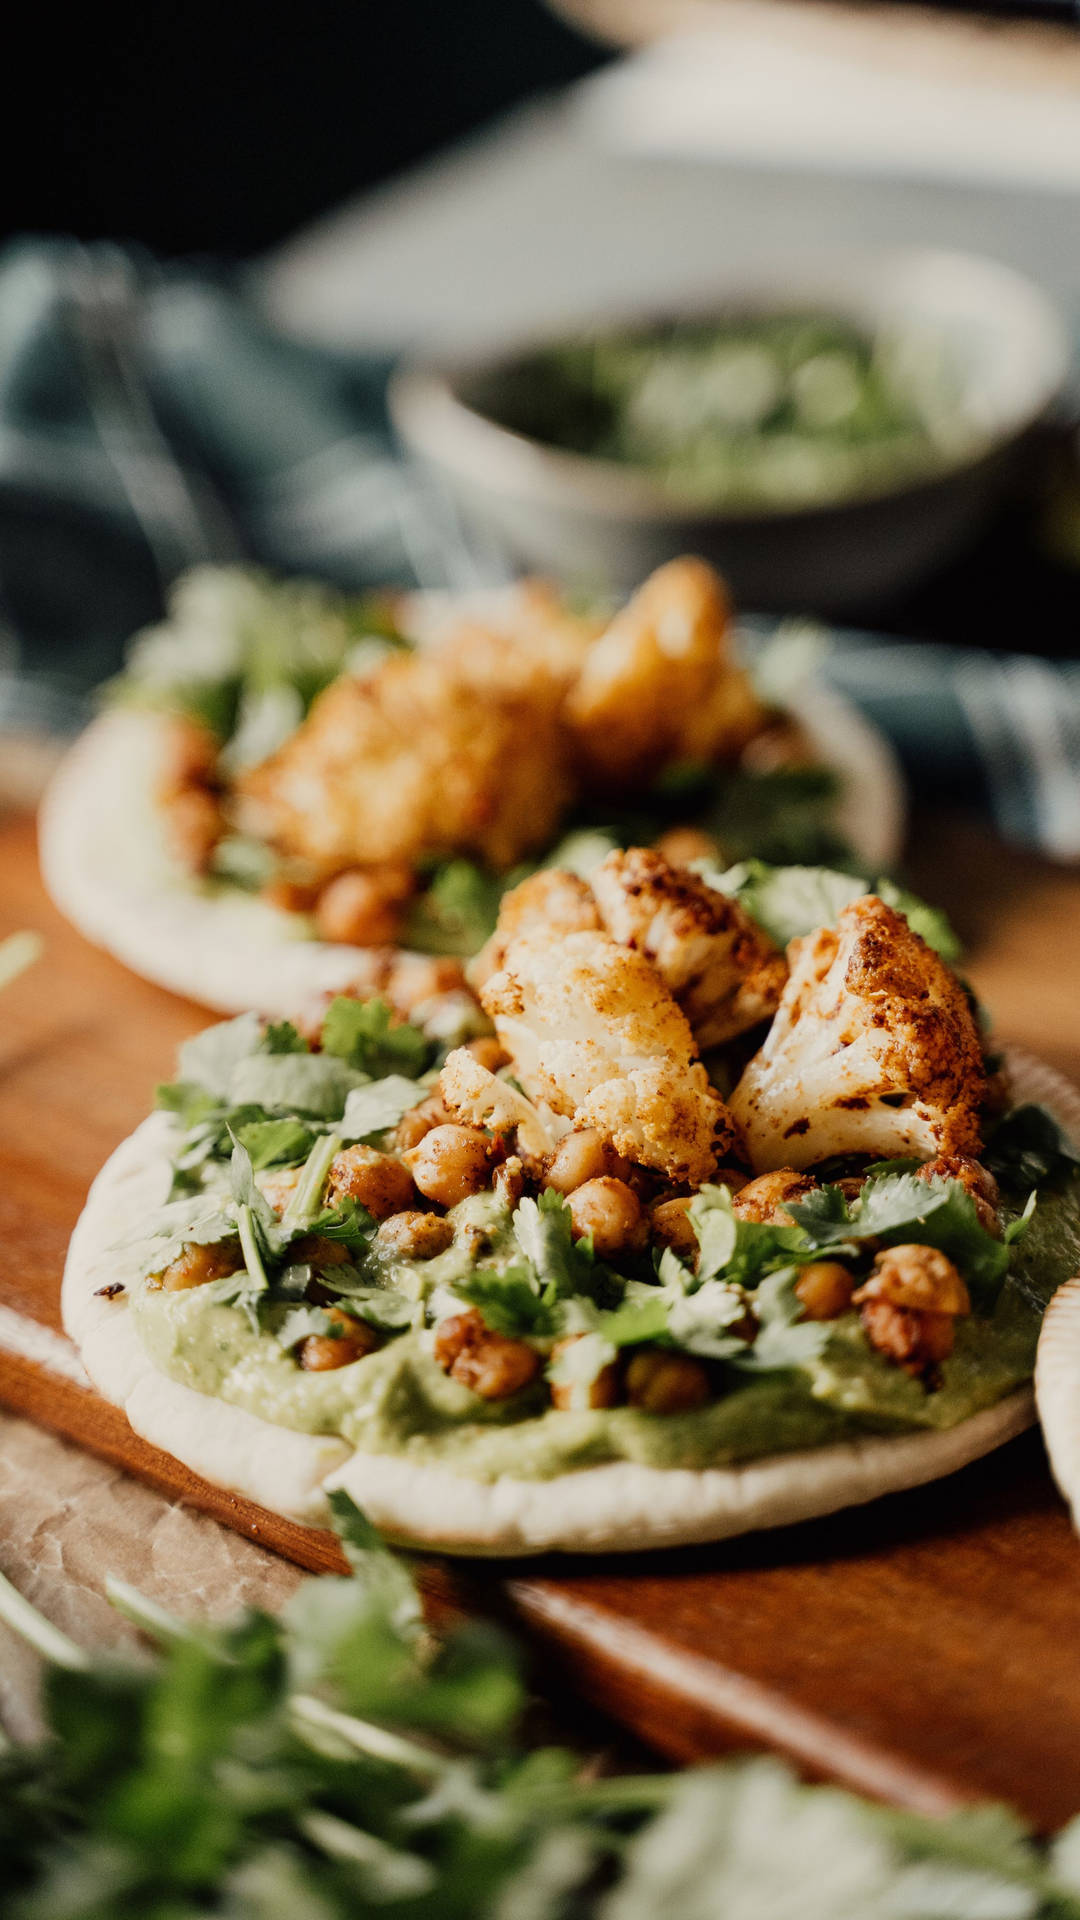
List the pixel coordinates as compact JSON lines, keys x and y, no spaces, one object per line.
{"x":725,"y":974}
{"x":475,"y":1095}
{"x":662,"y":684}
{"x":873,"y":1050}
{"x":594,"y":1034}
{"x":550,"y":900}
{"x":460,"y":750}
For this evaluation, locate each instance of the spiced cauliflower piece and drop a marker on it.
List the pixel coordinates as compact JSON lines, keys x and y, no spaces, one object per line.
{"x":457,"y":750}
{"x":873,"y":1050}
{"x":662,"y":682}
{"x":552,"y":899}
{"x":723,"y":971}
{"x":594,"y":1034}
{"x":472,"y":1093}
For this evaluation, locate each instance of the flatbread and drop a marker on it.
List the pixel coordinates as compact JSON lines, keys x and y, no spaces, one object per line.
{"x":106,"y":864}
{"x":618,"y":1507}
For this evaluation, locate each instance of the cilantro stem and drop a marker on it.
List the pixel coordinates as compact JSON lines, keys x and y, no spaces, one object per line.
{"x":147,"y":1615}
{"x":32,"y":1626}
{"x":342,"y":1841}
{"x":306,"y":1198}
{"x":316,"y":1717}
{"x":249,"y":1247}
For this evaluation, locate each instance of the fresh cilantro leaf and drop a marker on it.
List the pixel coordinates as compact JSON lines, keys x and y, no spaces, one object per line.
{"x":784,"y":1339}
{"x":364,"y":1035}
{"x":1028,"y":1148}
{"x":509,"y":1302}
{"x":372,"y":1109}
{"x":190,"y":1102}
{"x":211,"y":1058}
{"x":282,"y":1037}
{"x":543,"y":1229}
{"x":636,"y":1320}
{"x":275,"y":1143}
{"x":293,"y":1083}
{"x":791,"y":901}
{"x":307,"y":1322}
{"x":898,"y":1207}
{"x":741,"y":1250}
{"x":703,"y":1321}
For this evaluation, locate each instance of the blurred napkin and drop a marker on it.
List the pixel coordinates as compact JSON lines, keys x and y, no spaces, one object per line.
{"x":150,"y":420}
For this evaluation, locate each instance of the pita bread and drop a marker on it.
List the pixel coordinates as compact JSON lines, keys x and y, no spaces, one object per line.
{"x":107,"y":867}
{"x":618,"y":1507}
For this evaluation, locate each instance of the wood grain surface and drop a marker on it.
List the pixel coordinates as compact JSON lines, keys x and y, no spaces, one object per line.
{"x":924,"y":1649}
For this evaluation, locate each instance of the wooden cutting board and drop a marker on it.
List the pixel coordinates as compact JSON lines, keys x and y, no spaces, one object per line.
{"x":923,"y":1649}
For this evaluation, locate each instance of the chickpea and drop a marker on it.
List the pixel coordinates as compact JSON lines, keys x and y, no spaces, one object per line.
{"x":913,"y":1340}
{"x":658,"y":1381}
{"x":680,"y":845}
{"x":412,"y":1235}
{"x":364,"y":909}
{"x":378,"y":1181}
{"x":489,"y":1051}
{"x":196,"y":1265}
{"x":672,"y":1227}
{"x":450,"y":1163}
{"x":487,"y":1363}
{"x":191,"y":753}
{"x":419,"y":1120}
{"x":193,"y":826}
{"x":322,"y":1351}
{"x":318,"y":1250}
{"x":612,"y":1214}
{"x":291,"y":896}
{"x":571,"y":1397}
{"x":763,"y":1199}
{"x":825,"y":1289}
{"x":581,"y":1157}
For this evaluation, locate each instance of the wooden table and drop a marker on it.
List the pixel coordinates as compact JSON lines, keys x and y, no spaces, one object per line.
{"x":923,"y":1649}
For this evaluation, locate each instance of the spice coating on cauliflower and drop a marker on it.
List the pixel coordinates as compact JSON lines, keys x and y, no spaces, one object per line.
{"x":724,"y":972}
{"x":595,"y":1035}
{"x":873,"y":1049}
{"x":460,"y":750}
{"x":550,"y":900}
{"x":662,"y":684}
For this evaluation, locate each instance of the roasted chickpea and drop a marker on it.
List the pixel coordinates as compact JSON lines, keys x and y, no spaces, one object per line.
{"x":611,"y":1213}
{"x":680,"y":845}
{"x":291,"y":896}
{"x":487,"y":1363}
{"x":415,"y":1236}
{"x":915,"y":1341}
{"x":825,"y":1289}
{"x":763,"y":1199}
{"x":672,"y":1227}
{"x":318,"y":1250}
{"x":322,"y":1351}
{"x":378,"y":1181}
{"x":195,"y":1265}
{"x":489,"y":1051}
{"x":450,"y":1163}
{"x":661,"y":1382}
{"x":193,"y":826}
{"x":419,"y":1120}
{"x":364,"y":909}
{"x":572,"y":1397}
{"x":580,"y":1157}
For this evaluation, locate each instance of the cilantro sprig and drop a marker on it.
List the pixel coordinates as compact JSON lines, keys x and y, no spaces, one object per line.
{"x":340,"y":1760}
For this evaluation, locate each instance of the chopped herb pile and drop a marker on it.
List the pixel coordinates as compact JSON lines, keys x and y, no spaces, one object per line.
{"x":340,"y":1762}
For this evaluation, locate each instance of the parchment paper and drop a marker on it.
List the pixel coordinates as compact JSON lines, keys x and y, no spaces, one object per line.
{"x":67,"y":1519}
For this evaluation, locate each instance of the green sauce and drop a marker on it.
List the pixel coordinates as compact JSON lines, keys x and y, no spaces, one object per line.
{"x":399,"y":1401}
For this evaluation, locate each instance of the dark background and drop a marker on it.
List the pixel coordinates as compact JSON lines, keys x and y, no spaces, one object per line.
{"x":221,"y":128}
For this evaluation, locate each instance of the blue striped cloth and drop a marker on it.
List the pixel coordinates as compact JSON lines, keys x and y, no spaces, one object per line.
{"x":149,"y":420}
